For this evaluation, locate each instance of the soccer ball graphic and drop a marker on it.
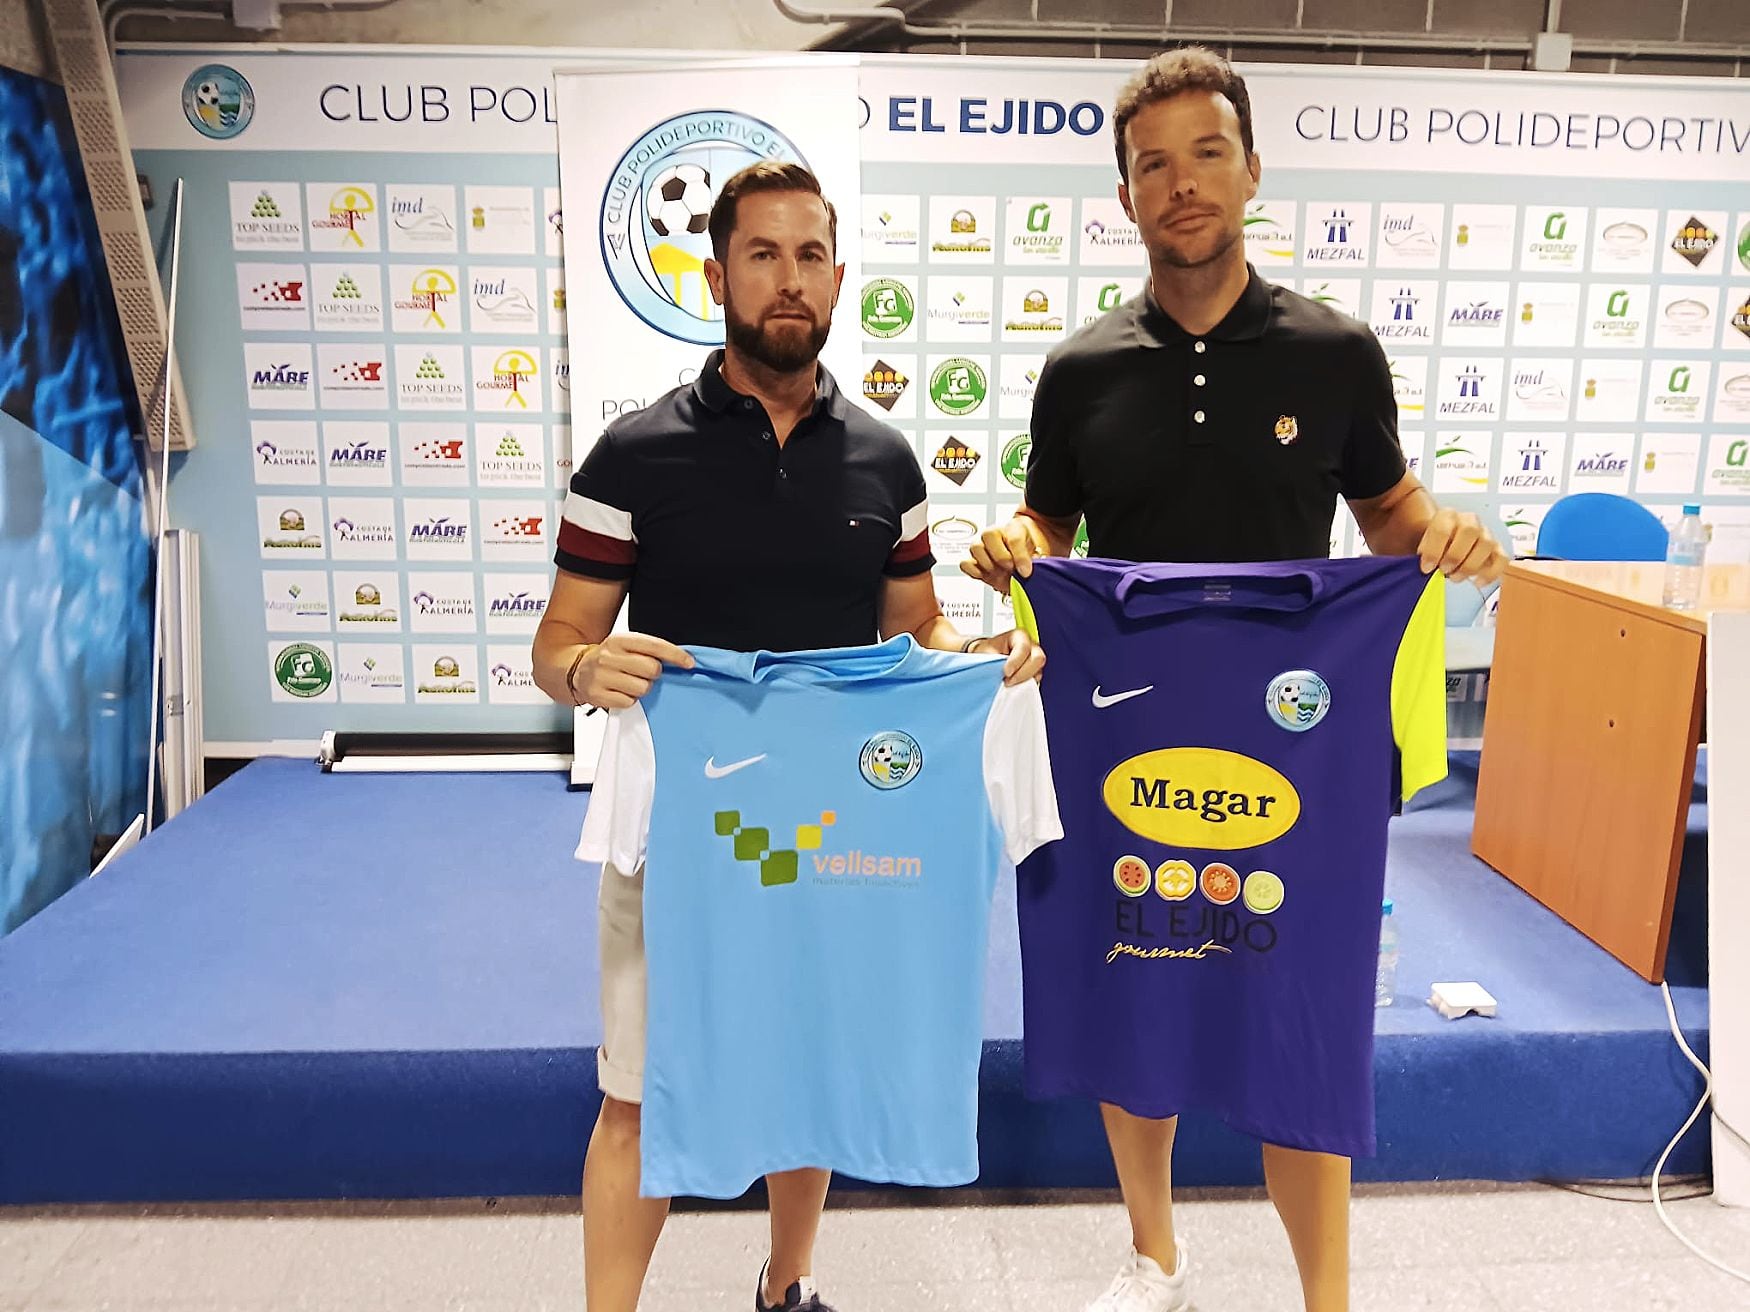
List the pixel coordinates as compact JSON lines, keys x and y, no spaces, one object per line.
{"x":215,"y":105}
{"x":679,"y":200}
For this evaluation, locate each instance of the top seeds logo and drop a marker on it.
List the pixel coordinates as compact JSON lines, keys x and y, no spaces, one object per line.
{"x":218,"y":101}
{"x":654,"y":212}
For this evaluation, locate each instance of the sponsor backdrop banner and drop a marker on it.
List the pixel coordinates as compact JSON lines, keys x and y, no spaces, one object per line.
{"x":377,"y":347}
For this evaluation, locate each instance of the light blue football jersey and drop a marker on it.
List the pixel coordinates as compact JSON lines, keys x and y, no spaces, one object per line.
{"x":821,"y":833}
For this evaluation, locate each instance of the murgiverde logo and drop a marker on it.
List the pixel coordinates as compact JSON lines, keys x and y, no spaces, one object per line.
{"x":1555,"y":227}
{"x":1039,"y":218}
{"x":1617,"y":306}
{"x":888,"y":308}
{"x":1678,"y":382}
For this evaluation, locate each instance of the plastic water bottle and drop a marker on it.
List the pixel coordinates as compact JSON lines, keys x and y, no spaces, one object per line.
{"x":1385,"y":979}
{"x":1684,"y":560}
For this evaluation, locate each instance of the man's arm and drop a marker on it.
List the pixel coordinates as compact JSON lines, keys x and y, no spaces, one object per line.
{"x":1003,"y":552}
{"x":1406,"y":521}
{"x":909,"y":605}
{"x":576,"y":659}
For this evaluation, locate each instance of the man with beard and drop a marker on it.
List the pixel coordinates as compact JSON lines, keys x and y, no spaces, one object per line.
{"x":1216,"y":418}
{"x":756,"y":509}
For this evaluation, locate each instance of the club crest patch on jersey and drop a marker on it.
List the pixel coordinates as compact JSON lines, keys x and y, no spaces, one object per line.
{"x":891,"y":759}
{"x":1297,"y":700}
{"x":1287,"y":430}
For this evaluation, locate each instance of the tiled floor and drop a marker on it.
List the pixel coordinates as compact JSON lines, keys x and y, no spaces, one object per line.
{"x":1467,"y":1248}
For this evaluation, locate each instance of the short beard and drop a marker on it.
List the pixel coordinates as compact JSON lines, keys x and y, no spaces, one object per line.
{"x":785,"y":353}
{"x":1167,"y":255}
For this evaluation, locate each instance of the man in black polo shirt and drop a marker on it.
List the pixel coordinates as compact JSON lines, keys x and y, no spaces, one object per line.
{"x":1216,"y":418}
{"x":756,"y":509}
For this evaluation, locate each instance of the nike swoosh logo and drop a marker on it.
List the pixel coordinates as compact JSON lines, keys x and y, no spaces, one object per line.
{"x":715,"y":771}
{"x":1102,"y":702}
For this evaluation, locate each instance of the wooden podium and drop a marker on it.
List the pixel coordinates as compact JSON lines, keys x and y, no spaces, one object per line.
{"x":1594,"y":713}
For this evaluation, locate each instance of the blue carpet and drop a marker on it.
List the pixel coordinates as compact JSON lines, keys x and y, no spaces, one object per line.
{"x":333,"y":986}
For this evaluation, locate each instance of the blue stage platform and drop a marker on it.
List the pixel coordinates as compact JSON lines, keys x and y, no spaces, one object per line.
{"x":348,"y":986}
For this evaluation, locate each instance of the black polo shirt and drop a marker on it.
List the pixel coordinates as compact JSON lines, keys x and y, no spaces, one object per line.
{"x":728,"y":540}
{"x":1233,"y":446}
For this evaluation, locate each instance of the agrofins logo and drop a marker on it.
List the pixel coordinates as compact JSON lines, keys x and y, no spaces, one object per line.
{"x":654,"y":210}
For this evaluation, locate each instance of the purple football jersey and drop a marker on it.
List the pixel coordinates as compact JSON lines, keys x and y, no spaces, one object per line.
{"x":1229,"y":742}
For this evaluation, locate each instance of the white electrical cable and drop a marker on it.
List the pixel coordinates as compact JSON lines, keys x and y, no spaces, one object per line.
{"x":1707,"y":1090}
{"x":163,"y":510}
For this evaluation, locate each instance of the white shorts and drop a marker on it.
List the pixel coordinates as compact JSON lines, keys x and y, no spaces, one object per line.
{"x":620,"y":937}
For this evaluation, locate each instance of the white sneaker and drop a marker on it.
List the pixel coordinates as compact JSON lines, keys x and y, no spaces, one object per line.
{"x":1141,"y":1286}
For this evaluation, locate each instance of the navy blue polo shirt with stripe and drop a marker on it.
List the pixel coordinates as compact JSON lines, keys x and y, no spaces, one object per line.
{"x":1229,"y":446}
{"x":726,"y":539}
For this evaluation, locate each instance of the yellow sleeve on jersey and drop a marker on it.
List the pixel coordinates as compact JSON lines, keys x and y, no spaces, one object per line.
{"x":1418,"y":691}
{"x":1025,"y":619}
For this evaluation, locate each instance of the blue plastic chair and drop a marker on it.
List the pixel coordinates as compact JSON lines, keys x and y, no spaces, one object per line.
{"x":1601,"y":526}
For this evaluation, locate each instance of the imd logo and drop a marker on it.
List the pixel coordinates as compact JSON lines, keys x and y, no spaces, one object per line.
{"x":654,"y":210}
{"x":218,"y":101}
{"x":422,"y":219}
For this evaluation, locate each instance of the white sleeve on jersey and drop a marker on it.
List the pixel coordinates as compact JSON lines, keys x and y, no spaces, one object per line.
{"x":616,"y":828}
{"x":1017,"y":771}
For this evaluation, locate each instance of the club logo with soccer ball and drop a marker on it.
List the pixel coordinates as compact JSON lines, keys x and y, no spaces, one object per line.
{"x":1297,"y":700}
{"x":891,"y":759}
{"x":656,"y":209}
{"x":218,"y":101}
